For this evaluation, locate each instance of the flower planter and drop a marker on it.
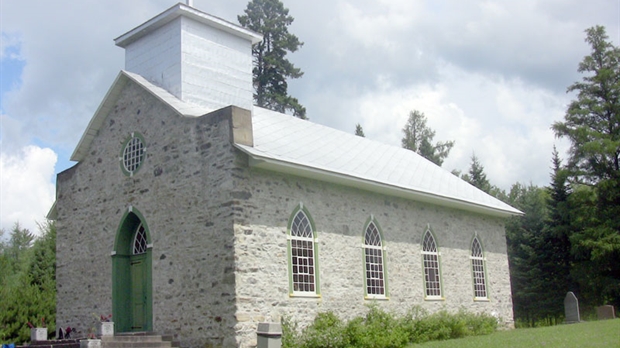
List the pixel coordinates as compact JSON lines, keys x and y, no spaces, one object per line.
{"x":106,"y":328}
{"x":90,"y":343}
{"x":38,"y":334}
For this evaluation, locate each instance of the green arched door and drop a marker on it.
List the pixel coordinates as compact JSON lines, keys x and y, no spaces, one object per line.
{"x":131,"y":276}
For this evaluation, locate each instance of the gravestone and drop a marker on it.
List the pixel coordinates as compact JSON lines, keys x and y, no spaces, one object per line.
{"x":571,"y":308}
{"x":605,"y":312}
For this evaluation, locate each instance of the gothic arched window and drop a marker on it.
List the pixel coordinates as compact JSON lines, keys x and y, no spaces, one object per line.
{"x":477,"y":265}
{"x":430,"y":258}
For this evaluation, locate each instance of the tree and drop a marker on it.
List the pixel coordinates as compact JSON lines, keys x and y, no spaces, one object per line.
{"x":31,"y":295}
{"x":359,"y":131}
{"x":476,"y":175}
{"x":553,"y":244}
{"x":592,"y":124}
{"x":16,"y":251}
{"x":525,"y":251}
{"x":418,"y":138}
{"x":271,"y":68}
{"x":592,"y":121}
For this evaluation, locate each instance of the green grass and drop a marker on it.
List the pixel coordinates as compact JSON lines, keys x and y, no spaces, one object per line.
{"x":604,"y":333}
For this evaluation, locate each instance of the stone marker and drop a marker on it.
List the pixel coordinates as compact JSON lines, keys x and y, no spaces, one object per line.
{"x":605,"y":312}
{"x":571,"y":308}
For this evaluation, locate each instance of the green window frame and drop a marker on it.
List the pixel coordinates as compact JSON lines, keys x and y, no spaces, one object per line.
{"x":303,"y":254}
{"x":478,"y":266}
{"x":374,"y":255}
{"x":431,"y":263}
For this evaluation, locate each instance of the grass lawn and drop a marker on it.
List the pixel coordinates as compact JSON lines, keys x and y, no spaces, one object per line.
{"x":604,"y":333}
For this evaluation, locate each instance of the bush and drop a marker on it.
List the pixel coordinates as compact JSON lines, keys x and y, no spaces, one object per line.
{"x":379,"y":329}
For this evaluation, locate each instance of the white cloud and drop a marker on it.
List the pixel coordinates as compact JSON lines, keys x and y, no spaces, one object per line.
{"x":26,"y":188}
{"x":490,"y":75}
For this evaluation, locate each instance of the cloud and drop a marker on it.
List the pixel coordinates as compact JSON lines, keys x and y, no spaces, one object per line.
{"x":490,"y":75}
{"x":26,"y":188}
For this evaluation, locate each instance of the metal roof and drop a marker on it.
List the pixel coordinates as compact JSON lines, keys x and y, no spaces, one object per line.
{"x":290,"y":145}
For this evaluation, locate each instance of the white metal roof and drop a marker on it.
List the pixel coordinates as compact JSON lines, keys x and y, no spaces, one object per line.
{"x":290,"y":145}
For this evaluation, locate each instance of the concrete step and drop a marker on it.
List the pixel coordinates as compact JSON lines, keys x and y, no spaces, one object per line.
{"x":132,"y":338}
{"x":135,"y":340}
{"x":112,"y":344}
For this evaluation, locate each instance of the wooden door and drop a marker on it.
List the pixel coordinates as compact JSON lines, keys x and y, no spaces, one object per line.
{"x":138,"y":293}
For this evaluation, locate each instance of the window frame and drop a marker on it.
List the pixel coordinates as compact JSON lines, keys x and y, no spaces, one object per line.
{"x":384,"y":274}
{"x":300,"y":209}
{"x":482,"y":263}
{"x":121,"y":158}
{"x":437,"y":258}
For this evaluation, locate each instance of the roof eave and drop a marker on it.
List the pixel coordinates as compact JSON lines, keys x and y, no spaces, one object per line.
{"x":190,"y":12}
{"x":266,"y":163}
{"x":95,"y":122}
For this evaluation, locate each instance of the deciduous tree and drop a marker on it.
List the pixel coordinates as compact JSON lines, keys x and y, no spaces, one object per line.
{"x":418,"y":137}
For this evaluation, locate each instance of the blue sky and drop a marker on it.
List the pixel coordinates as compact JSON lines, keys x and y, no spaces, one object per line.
{"x":490,"y":75}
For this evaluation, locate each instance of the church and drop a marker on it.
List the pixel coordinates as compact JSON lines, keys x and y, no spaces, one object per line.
{"x":192,"y":212}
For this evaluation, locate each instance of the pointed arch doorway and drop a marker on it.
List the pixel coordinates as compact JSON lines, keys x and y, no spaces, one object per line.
{"x":132,"y":300}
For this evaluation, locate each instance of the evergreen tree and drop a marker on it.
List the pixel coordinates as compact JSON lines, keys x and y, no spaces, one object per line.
{"x":271,"y":68}
{"x":525,"y":252}
{"x":359,"y":131}
{"x":30,"y":295}
{"x":476,"y":175}
{"x":554,"y":244}
{"x":418,"y":137}
{"x":592,"y":124}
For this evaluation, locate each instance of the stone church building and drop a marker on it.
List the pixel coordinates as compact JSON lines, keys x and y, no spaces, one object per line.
{"x":194,"y":213}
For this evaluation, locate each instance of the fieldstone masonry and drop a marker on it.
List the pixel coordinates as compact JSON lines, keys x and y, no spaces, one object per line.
{"x":339,"y":214}
{"x":217,"y":227}
{"x":219,"y":234}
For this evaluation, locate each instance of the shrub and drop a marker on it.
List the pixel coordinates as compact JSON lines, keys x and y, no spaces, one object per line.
{"x":380,"y":329}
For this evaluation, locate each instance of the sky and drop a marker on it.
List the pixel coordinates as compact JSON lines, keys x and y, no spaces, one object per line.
{"x":490,"y":75}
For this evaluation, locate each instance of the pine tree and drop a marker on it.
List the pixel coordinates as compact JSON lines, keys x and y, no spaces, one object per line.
{"x":554,"y":244}
{"x":359,"y":131}
{"x":592,"y":124}
{"x":476,"y":175}
{"x":271,"y":68}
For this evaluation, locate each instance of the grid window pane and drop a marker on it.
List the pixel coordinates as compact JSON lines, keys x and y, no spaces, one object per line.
{"x":139,"y":241}
{"x":430,"y":256}
{"x":133,"y":154}
{"x":302,"y":254}
{"x":477,"y":264}
{"x":374,"y":261}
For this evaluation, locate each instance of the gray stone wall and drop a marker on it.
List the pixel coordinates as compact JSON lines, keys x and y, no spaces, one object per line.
{"x":340,"y":214}
{"x":183,"y":192}
{"x":218,"y":232}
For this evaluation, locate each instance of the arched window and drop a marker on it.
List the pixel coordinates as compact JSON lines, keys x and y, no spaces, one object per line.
{"x":374,"y":262}
{"x":477,"y":265}
{"x":139,"y":241}
{"x":303,"y":254}
{"x":430,"y":258}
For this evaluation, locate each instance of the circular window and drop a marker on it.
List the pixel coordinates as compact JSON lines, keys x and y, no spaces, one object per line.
{"x":133,"y":154}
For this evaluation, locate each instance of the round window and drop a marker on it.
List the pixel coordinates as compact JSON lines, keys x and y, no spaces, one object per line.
{"x":133,"y":154}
